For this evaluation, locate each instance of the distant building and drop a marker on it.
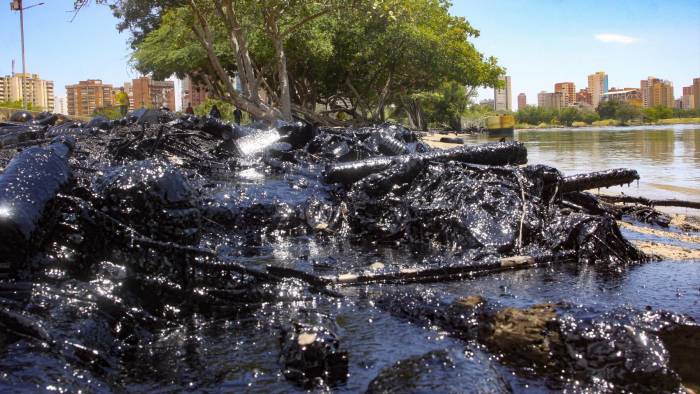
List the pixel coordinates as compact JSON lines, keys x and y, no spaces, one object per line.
{"x":129,"y":90}
{"x":148,"y":93}
{"x":627,"y":95}
{"x":656,"y":91}
{"x":503,"y":100}
{"x":522,"y":101}
{"x":487,"y":103}
{"x":568,"y":91}
{"x":597,"y":85}
{"x":696,"y":92}
{"x":37,"y":92}
{"x":193,"y":93}
{"x":687,"y":100}
{"x":87,"y":96}
{"x":60,"y":105}
{"x":553,"y":100}
{"x":583,"y":96}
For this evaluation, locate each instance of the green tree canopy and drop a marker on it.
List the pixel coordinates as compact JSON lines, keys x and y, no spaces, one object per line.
{"x":291,"y":55}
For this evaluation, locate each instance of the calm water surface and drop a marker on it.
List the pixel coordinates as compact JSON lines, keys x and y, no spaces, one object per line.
{"x":666,"y":157}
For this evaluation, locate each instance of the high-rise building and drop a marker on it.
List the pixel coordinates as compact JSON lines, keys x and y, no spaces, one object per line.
{"x":522,"y":101}
{"x":60,"y":105}
{"x":503,"y":100}
{"x":597,"y":85}
{"x":696,"y":92}
{"x":148,"y":93}
{"x":87,"y":96}
{"x":550,"y":100}
{"x":687,"y":100}
{"x":37,"y":92}
{"x":193,"y":93}
{"x":583,"y":96}
{"x":656,"y":91}
{"x":568,"y":91}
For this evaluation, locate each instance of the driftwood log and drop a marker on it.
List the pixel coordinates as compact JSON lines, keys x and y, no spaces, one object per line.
{"x":413,"y":275}
{"x":496,"y":154}
{"x":596,"y":180}
{"x":649,"y":202}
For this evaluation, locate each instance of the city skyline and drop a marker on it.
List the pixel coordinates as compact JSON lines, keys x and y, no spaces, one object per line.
{"x":549,"y":41}
{"x":527,"y":38}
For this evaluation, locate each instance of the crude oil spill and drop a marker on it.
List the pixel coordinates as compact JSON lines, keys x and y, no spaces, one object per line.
{"x":189,"y":254}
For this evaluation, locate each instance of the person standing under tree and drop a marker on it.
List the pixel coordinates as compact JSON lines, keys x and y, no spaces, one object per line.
{"x":215,"y":113}
{"x":123,"y":101}
{"x":237,"y":115}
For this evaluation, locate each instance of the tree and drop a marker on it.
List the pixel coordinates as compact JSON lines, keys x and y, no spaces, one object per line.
{"x":446,"y":105}
{"x":657,"y":112}
{"x":589,"y":117}
{"x":626,"y":112}
{"x":607,"y":109}
{"x":535,"y":115}
{"x":291,"y":55}
{"x":569,"y":115}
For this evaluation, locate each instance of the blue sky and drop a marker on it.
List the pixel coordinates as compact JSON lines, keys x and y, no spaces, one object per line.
{"x":63,"y":51}
{"x":540,"y":42}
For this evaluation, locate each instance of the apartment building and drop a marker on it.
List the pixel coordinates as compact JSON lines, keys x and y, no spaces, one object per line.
{"x":149,"y":93}
{"x":568,"y":91}
{"x":37,"y":92}
{"x":85,"y":97}
{"x":597,"y":85}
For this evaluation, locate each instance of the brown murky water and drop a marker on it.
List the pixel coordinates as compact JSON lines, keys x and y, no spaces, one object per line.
{"x":666,"y":157}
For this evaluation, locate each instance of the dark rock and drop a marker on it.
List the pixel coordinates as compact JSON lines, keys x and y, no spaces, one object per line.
{"x":21,"y":116}
{"x":444,"y":371}
{"x":311,"y":355}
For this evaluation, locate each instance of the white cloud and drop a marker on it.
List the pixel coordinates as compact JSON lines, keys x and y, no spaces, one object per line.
{"x":616,"y":38}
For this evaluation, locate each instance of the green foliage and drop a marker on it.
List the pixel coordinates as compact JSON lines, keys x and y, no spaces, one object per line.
{"x":445,"y":106}
{"x":621,"y":111}
{"x":110,"y":113}
{"x":535,"y":115}
{"x":686,"y":113}
{"x":568,"y":116}
{"x":588,"y":117}
{"x":626,"y":112}
{"x":18,"y":105}
{"x":653,"y":114}
{"x":368,"y":55}
{"x":607,"y":109}
{"x":225,"y":108}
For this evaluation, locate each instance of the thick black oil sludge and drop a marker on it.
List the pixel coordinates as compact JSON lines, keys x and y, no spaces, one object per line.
{"x":189,"y":254}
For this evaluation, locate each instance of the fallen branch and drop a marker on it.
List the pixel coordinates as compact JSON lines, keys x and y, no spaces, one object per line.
{"x":497,"y":154}
{"x":414,"y":275}
{"x":596,"y":180}
{"x":649,"y":202}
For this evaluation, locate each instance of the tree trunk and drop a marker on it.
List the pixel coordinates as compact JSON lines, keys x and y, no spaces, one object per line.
{"x":254,"y":107}
{"x":415,"y":113}
{"x":285,"y":100}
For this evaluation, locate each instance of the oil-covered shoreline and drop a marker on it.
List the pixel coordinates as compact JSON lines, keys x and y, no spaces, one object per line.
{"x":184,"y":253}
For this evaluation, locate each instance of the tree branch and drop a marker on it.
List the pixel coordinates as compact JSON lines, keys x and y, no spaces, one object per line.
{"x":304,"y":21}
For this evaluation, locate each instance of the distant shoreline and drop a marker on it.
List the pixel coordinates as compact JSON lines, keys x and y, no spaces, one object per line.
{"x":608,"y":123}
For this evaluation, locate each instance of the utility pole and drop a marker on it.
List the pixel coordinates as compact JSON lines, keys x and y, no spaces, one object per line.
{"x":17,"y":5}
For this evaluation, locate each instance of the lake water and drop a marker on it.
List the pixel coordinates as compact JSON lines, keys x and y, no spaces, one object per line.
{"x":666,"y":157}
